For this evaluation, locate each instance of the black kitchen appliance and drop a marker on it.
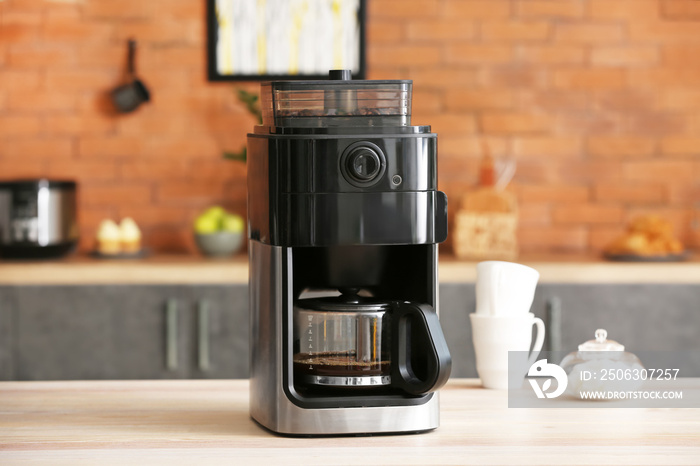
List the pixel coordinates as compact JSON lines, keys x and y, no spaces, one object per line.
{"x":344,"y":223}
{"x":37,"y":218}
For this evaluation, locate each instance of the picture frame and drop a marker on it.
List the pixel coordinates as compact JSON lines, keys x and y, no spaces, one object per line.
{"x":243,"y":38}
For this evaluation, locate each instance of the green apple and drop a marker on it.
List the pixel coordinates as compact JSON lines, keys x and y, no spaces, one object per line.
{"x":232,"y":223}
{"x":206,"y":224}
{"x":216,"y":212}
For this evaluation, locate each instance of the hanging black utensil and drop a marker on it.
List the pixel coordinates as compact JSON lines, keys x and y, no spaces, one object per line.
{"x":128,"y":97}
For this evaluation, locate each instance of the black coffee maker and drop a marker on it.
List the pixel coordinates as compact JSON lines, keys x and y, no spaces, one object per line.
{"x":344,"y":222}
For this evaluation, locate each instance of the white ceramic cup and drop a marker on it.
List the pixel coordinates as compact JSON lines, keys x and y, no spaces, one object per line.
{"x":504,"y":288}
{"x":494,"y":336}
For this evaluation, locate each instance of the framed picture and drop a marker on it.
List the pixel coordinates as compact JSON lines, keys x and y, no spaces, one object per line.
{"x":284,"y":39}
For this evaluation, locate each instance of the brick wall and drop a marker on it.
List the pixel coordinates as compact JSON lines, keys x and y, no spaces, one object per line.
{"x":597,"y":100}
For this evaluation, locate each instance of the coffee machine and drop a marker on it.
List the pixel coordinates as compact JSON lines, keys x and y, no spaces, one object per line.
{"x":344,"y":222}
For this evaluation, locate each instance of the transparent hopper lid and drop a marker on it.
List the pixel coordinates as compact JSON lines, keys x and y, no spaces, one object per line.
{"x":336,"y":102}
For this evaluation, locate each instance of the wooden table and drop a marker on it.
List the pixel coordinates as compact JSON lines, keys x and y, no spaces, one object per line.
{"x":207,"y":422}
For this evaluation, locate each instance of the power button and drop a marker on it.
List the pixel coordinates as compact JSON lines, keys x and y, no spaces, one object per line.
{"x":363,"y":164}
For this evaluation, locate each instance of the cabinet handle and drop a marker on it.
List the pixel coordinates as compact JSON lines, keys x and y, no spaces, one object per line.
{"x":171,"y":315}
{"x":554,"y":324}
{"x":203,"y":330}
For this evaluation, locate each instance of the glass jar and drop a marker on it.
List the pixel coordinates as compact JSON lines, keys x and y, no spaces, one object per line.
{"x":602,"y":366}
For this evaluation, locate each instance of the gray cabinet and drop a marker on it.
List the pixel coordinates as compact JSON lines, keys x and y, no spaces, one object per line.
{"x":125,"y":332}
{"x":643,"y":317}
{"x":6,"y":333}
{"x":219,"y":332}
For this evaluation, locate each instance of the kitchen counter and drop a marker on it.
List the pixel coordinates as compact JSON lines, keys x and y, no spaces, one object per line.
{"x":207,"y":422}
{"x":179,"y":269}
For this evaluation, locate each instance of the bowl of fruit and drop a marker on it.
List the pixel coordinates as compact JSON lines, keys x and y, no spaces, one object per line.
{"x":218,"y":233}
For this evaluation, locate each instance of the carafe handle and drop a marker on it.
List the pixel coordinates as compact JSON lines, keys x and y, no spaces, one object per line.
{"x":414,"y":369}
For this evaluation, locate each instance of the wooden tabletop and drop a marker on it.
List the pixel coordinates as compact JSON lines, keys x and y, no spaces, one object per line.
{"x":191,"y":269}
{"x":207,"y":422}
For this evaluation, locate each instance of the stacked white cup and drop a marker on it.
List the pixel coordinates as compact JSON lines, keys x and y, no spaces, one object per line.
{"x":503,"y":322}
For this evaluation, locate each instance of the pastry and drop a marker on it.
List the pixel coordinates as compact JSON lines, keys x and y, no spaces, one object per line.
{"x":130,"y":236}
{"x":108,"y":238}
{"x":647,"y":235}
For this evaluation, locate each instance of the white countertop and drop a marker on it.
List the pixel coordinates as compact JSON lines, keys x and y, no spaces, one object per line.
{"x":185,"y":269}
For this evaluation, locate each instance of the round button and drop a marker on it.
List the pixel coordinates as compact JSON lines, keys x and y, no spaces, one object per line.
{"x":364,"y":164}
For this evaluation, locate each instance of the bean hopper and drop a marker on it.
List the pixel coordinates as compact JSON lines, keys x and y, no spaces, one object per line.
{"x":344,"y":223}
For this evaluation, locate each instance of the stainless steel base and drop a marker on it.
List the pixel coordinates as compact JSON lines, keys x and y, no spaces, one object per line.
{"x":270,"y":274}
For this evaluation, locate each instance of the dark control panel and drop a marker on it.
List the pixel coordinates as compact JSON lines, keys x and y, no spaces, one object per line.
{"x":363,"y":164}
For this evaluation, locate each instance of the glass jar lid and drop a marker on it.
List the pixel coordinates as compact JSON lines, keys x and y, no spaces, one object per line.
{"x":348,"y":301}
{"x":601,"y":343}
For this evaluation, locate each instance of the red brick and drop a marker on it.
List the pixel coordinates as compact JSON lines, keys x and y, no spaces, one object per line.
{"x":180,"y":56}
{"x":548,"y":146}
{"x":82,"y":124}
{"x":19,"y":125}
{"x":680,"y":145}
{"x":624,"y":9}
{"x":681,"y":32}
{"x":46,"y":149}
{"x":115,"y":194}
{"x":41,"y":101}
{"x":163,"y":31}
{"x":20,"y":26}
{"x":625,"y":56}
{"x":102,"y":55}
{"x":441,"y":30}
{"x":400,"y":9}
{"x":552,"y":54}
{"x":444,"y":77}
{"x":20,"y":81}
{"x":534,"y":214}
{"x":23,"y":56}
{"x":515,"y":31}
{"x":600,"y":236}
{"x":11,"y":168}
{"x":165,"y":239}
{"x":453,"y":124}
{"x":459,"y":99}
{"x":671,"y":171}
{"x":426,"y":102}
{"x":655,"y":123}
{"x":405,"y":55}
{"x":478,"y":54}
{"x":589,"y":213}
{"x":621,"y":146}
{"x":93,"y":146}
{"x":679,"y":99}
{"x":589,"y":122}
{"x":514,"y":122}
{"x":139,"y":169}
{"x":585,"y":78}
{"x":629,"y":101}
{"x":183,"y":9}
{"x":553,"y":193}
{"x":185,"y":147}
{"x":189,"y":192}
{"x":589,"y":33}
{"x":681,"y":55}
{"x":66,"y":30}
{"x":553,"y":239}
{"x":472,"y":147}
{"x":123,"y":9}
{"x":556,"y":100}
{"x":590,"y":171}
{"x":478,"y":9}
{"x":681,"y":9}
{"x":157,"y":215}
{"x":517,"y":76}
{"x":647,"y":193}
{"x":87,"y":171}
{"x":568,"y":9}
{"x":536,"y":171}
{"x":380,"y":31}
{"x":81,"y":79}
